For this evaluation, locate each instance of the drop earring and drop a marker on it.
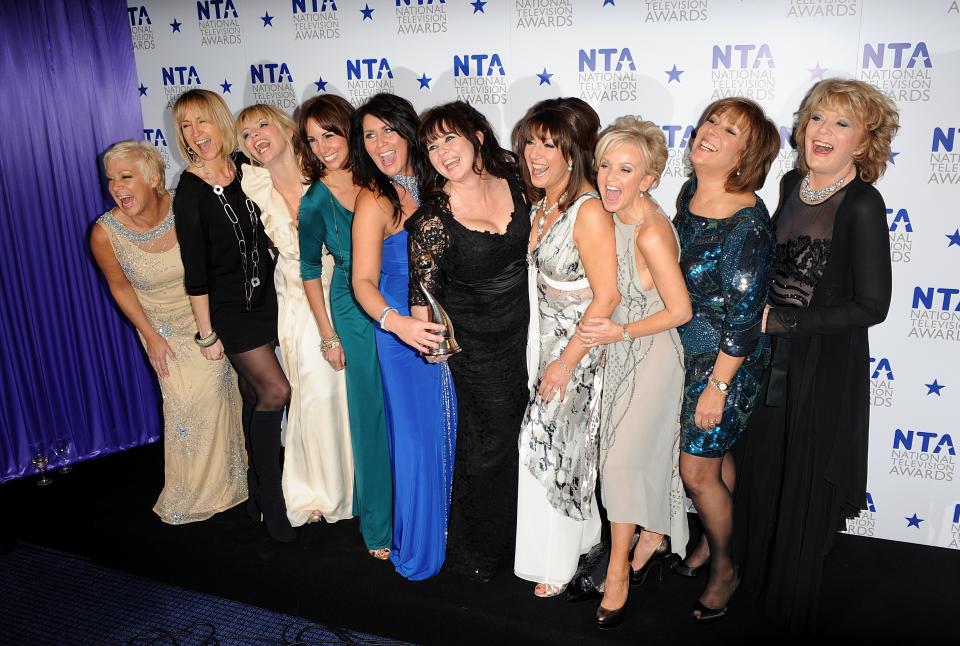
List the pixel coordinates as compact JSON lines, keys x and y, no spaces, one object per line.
{"x":569,"y":167}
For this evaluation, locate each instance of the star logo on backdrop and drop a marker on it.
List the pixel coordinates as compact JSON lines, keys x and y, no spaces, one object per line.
{"x":424,"y":81}
{"x":321,"y":85}
{"x":892,"y":157}
{"x":143,"y":89}
{"x":544,"y":77}
{"x":367,"y":12}
{"x":673,"y":74}
{"x":267,"y":19}
{"x":176,"y":26}
{"x":611,"y":3}
{"x":226,"y":86}
{"x":934,"y":388}
{"x":817,"y":72}
{"x":478,"y":6}
{"x":954,"y":238}
{"x":913,"y":521}
{"x":917,"y":60}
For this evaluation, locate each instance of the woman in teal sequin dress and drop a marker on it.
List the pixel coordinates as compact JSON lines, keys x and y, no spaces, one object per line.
{"x":726,"y":249}
{"x":325,"y":221}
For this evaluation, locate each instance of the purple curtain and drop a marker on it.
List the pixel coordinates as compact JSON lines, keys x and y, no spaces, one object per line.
{"x":70,"y":366}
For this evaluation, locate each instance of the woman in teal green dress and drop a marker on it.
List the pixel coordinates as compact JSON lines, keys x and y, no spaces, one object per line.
{"x":347,"y":334}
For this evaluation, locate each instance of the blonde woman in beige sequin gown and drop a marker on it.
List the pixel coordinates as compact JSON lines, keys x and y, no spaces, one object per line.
{"x":135,"y":245}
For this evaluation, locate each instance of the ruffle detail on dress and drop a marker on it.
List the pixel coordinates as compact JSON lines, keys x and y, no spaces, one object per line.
{"x":274,"y":213}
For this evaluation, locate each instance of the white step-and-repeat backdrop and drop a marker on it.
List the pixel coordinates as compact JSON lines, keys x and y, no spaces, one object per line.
{"x":665,"y":60}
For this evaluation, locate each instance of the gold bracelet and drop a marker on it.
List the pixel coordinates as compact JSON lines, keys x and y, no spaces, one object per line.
{"x":329,"y":344}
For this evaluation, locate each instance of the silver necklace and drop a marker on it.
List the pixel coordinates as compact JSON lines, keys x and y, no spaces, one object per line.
{"x":409,"y":184}
{"x":810,"y":195}
{"x":251,"y":281}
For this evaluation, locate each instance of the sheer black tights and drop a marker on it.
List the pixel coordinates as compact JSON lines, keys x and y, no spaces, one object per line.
{"x":263,"y":386}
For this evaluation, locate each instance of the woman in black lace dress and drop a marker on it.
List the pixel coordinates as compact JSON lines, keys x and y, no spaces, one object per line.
{"x":473,"y":228}
{"x":803,"y":464}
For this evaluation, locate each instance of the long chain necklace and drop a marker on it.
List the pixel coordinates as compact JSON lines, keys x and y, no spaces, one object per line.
{"x":545,"y":212}
{"x":251,"y":278}
{"x":811,"y":196}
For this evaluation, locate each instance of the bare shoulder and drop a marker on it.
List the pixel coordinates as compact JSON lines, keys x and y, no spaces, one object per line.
{"x":369,"y":203}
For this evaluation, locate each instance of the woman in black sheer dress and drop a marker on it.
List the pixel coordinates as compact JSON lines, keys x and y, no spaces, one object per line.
{"x":803,"y":463}
{"x":473,"y":226}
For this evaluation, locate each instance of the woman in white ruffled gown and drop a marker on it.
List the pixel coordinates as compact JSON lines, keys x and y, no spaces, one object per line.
{"x":318,"y":460}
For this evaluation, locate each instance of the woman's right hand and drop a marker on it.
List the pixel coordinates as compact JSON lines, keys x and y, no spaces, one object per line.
{"x":157,"y":351}
{"x":414,"y":332}
{"x":335,"y":358}
{"x":213,"y":352}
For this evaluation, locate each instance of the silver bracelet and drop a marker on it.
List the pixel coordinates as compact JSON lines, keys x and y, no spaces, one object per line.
{"x":206,"y":341}
{"x":626,"y":335}
{"x":564,"y":367}
{"x":383,"y":316}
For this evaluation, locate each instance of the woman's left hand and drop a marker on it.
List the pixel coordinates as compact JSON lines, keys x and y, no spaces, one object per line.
{"x":554,"y":382}
{"x":598,"y":330}
{"x":709,"y":410}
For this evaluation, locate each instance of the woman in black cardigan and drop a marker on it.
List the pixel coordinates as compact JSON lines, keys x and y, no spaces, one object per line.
{"x":803,"y":464}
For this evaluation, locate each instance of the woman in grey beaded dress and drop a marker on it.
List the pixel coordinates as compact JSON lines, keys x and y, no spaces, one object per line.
{"x":573,"y":275}
{"x":643,"y":375}
{"x":135,"y":245}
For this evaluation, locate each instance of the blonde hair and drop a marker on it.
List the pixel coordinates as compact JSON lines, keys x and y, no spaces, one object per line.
{"x":213,"y":107}
{"x":146,"y":157}
{"x":645,"y":135}
{"x":269,"y":113}
{"x":868,"y":107}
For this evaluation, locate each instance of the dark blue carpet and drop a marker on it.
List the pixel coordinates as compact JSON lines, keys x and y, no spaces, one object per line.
{"x":48,"y":597}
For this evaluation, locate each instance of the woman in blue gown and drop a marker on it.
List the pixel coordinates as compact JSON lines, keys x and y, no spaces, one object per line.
{"x":418,"y":396}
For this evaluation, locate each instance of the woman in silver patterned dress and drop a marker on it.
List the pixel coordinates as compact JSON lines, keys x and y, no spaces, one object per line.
{"x":572,"y":276}
{"x":135,"y":245}
{"x":643,"y":372}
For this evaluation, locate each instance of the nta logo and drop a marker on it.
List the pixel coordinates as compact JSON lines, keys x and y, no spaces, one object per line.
{"x":924,"y":298}
{"x":154,"y":136}
{"x":623,"y":58}
{"x":928,"y":441}
{"x":138,"y":16}
{"x":313,"y":6}
{"x":747,"y":57}
{"x":882,"y":366}
{"x":216,"y":10}
{"x":482,"y":65}
{"x":270,"y":73}
{"x":362,"y":68}
{"x":180,"y":75}
{"x":901,"y":219}
{"x":876,"y":55}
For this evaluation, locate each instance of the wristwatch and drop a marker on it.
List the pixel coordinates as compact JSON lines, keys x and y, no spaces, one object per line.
{"x":722,"y":386}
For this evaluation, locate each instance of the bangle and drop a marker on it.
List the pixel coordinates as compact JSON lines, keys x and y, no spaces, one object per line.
{"x":206,"y":341}
{"x":626,"y":335}
{"x":564,"y":366}
{"x":383,"y":316}
{"x":329,"y":344}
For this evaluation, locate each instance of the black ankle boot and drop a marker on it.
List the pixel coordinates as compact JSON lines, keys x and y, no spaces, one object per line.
{"x":265,"y":442}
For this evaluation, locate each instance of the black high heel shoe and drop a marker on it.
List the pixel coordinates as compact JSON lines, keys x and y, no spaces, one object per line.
{"x":709,"y":615}
{"x":680,"y":568}
{"x":637,"y":577}
{"x":608,"y":619}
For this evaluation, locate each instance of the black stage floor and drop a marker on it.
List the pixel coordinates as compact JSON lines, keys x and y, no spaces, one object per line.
{"x":102,"y":511}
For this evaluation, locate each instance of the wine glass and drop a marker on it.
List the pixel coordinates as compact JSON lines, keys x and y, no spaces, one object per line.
{"x":61,"y":449}
{"x":40,"y":460}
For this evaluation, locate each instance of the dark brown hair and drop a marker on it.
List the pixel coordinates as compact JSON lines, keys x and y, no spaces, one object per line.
{"x":761,"y":137}
{"x":332,"y":113}
{"x":463,"y":119}
{"x":573,"y":126}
